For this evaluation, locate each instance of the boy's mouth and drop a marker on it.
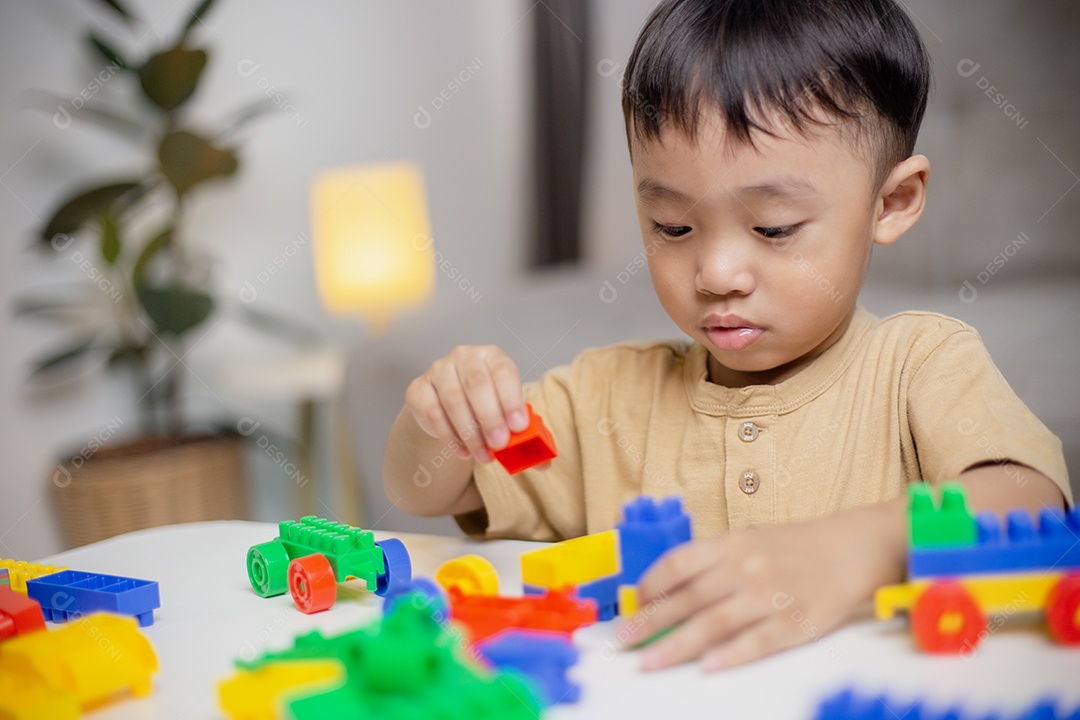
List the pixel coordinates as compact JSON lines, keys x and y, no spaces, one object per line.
{"x":730,"y":332}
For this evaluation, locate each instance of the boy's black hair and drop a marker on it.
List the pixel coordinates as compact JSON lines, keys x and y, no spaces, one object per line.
{"x":861,"y":62}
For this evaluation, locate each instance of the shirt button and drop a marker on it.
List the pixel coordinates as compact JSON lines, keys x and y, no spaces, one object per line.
{"x":749,"y":482}
{"x":748,"y":432}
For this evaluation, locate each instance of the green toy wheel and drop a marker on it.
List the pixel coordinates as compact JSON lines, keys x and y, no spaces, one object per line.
{"x":268,"y":569}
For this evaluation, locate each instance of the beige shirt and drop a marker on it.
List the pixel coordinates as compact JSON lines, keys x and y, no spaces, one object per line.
{"x":914,"y":396}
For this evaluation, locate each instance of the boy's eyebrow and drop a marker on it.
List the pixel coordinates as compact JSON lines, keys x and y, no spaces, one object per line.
{"x":650,"y":189}
{"x":783,"y":187}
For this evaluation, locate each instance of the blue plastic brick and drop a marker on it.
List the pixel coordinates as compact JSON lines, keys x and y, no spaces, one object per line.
{"x":1055,"y":543}
{"x":649,"y":529}
{"x":425,"y":592}
{"x":70,"y":593}
{"x":604,"y":591}
{"x":846,"y":705}
{"x":543,"y":657}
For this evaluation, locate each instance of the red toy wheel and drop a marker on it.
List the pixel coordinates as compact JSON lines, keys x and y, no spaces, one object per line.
{"x":946,"y":619}
{"x":1063,"y":610}
{"x":312,"y":583}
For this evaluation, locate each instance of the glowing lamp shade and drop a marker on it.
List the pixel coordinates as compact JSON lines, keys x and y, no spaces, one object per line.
{"x":372,"y":240}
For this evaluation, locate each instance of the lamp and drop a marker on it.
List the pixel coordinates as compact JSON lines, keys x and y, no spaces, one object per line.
{"x":371,"y":239}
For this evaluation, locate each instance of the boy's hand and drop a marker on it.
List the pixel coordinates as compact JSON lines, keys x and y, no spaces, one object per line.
{"x":753,"y":592}
{"x":474,"y":387}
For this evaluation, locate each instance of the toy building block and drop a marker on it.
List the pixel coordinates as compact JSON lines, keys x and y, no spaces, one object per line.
{"x":649,"y":529}
{"x":604,"y":592}
{"x":5,"y":581}
{"x":572,"y":562}
{"x":472,"y":574}
{"x":944,"y":525}
{"x":309,"y":558}
{"x":628,"y":600}
{"x":847,"y":705}
{"x":18,"y":615}
{"x":263,"y":694}
{"x":543,"y":657}
{"x":81,"y":665}
{"x":403,"y":667}
{"x":19,"y":572}
{"x":424,"y":593}
{"x":530,"y":447}
{"x":556,"y":610}
{"x":70,"y":593}
{"x":1055,"y":544}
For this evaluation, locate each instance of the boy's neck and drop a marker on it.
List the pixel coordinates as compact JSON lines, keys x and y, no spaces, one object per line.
{"x":721,"y":375}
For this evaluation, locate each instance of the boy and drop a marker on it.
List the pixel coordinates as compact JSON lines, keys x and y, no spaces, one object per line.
{"x":771,"y":149}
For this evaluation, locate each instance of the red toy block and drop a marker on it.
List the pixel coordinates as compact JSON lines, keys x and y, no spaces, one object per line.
{"x":528,"y":448}
{"x":556,"y":611}
{"x":18,"y":614}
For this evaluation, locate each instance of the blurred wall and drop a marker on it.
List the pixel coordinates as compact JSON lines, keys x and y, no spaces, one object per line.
{"x":445,"y":83}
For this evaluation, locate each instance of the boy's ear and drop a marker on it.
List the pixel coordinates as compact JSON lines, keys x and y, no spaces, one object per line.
{"x":901,"y":200}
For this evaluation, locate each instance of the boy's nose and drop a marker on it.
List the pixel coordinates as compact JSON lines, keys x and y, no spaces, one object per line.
{"x":724,"y":272}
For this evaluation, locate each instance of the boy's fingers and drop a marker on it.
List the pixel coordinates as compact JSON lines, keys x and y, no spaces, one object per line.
{"x":484,"y":401}
{"x":668,"y":609}
{"x":458,"y":411}
{"x":508,"y":387}
{"x":701,"y":631}
{"x":429,"y":412}
{"x":764,"y":638}
{"x":676,"y":568}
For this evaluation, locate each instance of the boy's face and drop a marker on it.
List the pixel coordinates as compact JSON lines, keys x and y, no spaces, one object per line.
{"x":758,"y":253}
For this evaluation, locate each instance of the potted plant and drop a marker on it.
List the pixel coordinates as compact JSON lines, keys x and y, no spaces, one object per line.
{"x":131,"y":242}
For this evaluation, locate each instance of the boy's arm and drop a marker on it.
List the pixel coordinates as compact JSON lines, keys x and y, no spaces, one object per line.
{"x":424,"y":475}
{"x":1003,"y":486}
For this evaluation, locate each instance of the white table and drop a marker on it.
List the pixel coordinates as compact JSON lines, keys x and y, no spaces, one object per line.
{"x":210,"y":616}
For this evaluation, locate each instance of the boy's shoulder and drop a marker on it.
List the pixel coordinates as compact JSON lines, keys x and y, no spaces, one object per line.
{"x":637,"y":357}
{"x":920,"y":327}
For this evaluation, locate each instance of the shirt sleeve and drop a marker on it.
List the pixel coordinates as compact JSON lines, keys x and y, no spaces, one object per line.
{"x":536,"y":504}
{"x":963,"y":413}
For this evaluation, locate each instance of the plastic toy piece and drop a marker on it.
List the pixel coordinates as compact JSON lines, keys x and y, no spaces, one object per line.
{"x":405,"y":666}
{"x":471,"y":574}
{"x":555,"y":610}
{"x":847,"y":705}
{"x":572,"y":562}
{"x":424,"y":593}
{"x":530,"y":447}
{"x":4,"y":579}
{"x":628,"y":600}
{"x":262,"y":694}
{"x":543,"y":657}
{"x":946,"y":525}
{"x":19,"y":572}
{"x":1063,"y":610}
{"x":18,"y":615}
{"x":649,"y":529}
{"x":78,"y":666}
{"x":1020,"y":545}
{"x":70,"y":593}
{"x":349,"y":552}
{"x":604,"y":592}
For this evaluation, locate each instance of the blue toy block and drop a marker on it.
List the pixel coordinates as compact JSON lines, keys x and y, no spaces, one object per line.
{"x":1022,"y":546}
{"x":604,"y":591}
{"x":543,"y":657}
{"x":649,"y":529}
{"x":71,"y":593}
{"x":427,"y":594}
{"x":4,"y":577}
{"x":846,"y":705}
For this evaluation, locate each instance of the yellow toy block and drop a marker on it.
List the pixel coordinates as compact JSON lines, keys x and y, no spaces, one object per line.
{"x":993,"y":593}
{"x":572,"y":562}
{"x":90,"y":659}
{"x":28,"y":697}
{"x":472,"y":574}
{"x":262,"y":694}
{"x":19,"y":572}
{"x":628,"y":600}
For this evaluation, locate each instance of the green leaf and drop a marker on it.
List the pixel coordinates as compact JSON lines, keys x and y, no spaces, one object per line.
{"x":175,"y":309}
{"x":120,"y":10}
{"x":170,"y":77}
{"x":292,"y":330}
{"x":63,"y":357}
{"x":138,"y":274}
{"x":79,"y":209}
{"x":106,"y":51}
{"x":196,"y":16}
{"x":187,"y":160}
{"x":126,"y":353}
{"x":44,"y":306}
{"x":110,"y":238}
{"x":63,"y":112}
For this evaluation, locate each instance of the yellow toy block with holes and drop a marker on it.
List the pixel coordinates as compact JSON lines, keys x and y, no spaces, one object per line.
{"x":472,"y":574}
{"x":91,"y":659}
{"x":628,"y":600}
{"x":28,"y":697}
{"x":993,"y":593}
{"x":19,"y":572}
{"x":572,"y":562}
{"x":262,"y":694}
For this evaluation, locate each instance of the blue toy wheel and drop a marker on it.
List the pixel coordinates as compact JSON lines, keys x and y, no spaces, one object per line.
{"x":426,"y":593}
{"x":397,"y":568}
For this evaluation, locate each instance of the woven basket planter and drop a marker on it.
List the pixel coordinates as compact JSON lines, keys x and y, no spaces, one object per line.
{"x":147,"y":483}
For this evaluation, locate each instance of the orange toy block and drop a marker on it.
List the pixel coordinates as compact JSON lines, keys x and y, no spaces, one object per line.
{"x":530,"y":447}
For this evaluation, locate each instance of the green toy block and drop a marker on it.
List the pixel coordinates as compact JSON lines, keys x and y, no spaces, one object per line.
{"x":949,"y":525}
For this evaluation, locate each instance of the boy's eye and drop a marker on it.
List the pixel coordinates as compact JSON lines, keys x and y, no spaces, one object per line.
{"x":776,"y":232}
{"x":671,"y":231}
